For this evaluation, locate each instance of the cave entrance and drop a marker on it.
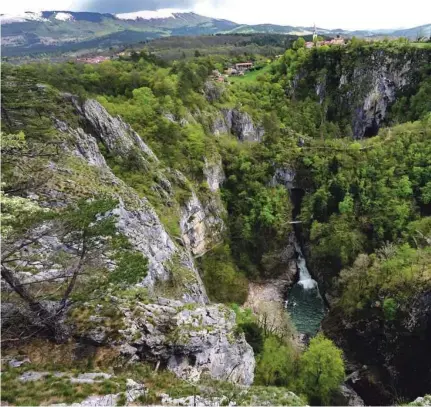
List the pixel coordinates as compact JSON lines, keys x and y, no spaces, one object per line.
{"x":372,"y":130}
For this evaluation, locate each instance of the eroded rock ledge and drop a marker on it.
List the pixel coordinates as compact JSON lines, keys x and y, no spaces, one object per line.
{"x":190,"y":340}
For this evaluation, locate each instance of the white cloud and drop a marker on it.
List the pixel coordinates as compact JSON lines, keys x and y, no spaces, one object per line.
{"x":365,"y":14}
{"x":19,"y":6}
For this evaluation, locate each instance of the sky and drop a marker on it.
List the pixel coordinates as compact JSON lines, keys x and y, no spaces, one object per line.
{"x":363,"y":14}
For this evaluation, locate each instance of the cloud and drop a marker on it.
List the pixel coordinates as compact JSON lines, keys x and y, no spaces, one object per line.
{"x":128,"y":6}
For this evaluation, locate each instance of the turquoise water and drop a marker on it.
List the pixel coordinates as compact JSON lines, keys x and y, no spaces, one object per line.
{"x":306,"y":309}
{"x":304,"y":302}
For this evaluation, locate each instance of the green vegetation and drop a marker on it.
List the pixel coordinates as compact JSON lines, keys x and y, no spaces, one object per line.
{"x":321,"y":370}
{"x":365,"y":212}
{"x":223,"y":281}
{"x":252,"y":75}
{"x":276,"y":364}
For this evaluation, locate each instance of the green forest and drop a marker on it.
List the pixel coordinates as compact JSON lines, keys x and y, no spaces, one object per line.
{"x":364,"y":211}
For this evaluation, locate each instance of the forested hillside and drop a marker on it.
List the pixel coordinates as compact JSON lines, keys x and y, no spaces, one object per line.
{"x":148,"y":208}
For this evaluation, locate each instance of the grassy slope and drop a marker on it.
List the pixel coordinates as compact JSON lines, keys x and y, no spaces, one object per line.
{"x":250,"y":76}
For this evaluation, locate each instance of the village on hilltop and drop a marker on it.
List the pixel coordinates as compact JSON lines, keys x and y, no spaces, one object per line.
{"x":315,"y":43}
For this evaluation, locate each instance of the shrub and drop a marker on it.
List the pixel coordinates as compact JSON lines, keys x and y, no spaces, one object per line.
{"x":254,"y":336}
{"x":389,"y":309}
{"x":276,"y":364}
{"x":321,"y":370}
{"x":223,"y":282}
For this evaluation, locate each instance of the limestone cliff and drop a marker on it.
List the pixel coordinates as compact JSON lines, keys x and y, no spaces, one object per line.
{"x":238,"y":123}
{"x":184,"y":333}
{"x":358,"y":90}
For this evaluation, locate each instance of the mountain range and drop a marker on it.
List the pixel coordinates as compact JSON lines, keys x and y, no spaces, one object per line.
{"x":65,"y":31}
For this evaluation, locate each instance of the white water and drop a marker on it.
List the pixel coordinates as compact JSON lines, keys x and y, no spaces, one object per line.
{"x":305,"y":279}
{"x":304,"y":302}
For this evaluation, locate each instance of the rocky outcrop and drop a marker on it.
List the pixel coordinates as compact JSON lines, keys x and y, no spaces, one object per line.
{"x":117,"y":136}
{"x":238,"y":123}
{"x":347,"y":397}
{"x":284,"y":176}
{"x":213,"y":91}
{"x":135,"y":217}
{"x":190,"y":340}
{"x":360,"y":85}
{"x":382,"y":84}
{"x":201,"y":226}
{"x":213,"y":171}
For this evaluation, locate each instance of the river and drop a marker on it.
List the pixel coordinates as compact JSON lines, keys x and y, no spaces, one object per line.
{"x":304,"y":302}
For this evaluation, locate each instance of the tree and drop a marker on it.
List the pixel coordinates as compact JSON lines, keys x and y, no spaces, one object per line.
{"x":321,"y":370}
{"x":299,"y":43}
{"x":275,"y":365}
{"x":80,"y":231}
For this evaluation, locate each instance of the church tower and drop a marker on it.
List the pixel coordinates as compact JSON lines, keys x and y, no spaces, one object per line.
{"x":314,"y":33}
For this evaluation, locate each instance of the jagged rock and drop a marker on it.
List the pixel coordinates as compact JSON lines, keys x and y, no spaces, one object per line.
{"x":32,"y":376}
{"x":18,"y":363}
{"x":219,"y":126}
{"x":240,"y":124}
{"x":284,"y":176}
{"x":196,"y":400}
{"x":190,"y":340}
{"x":109,"y":400}
{"x":90,"y":378}
{"x":348,"y":397}
{"x":214,"y":174}
{"x":87,"y":148}
{"x":213,"y":91}
{"x":116,"y":135}
{"x":383,"y":84}
{"x":146,"y":234}
{"x":422,"y":401}
{"x":170,"y":117}
{"x":193,"y":226}
{"x":201,"y":227}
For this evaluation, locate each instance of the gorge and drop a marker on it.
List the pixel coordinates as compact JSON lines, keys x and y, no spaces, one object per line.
{"x":155,"y":221}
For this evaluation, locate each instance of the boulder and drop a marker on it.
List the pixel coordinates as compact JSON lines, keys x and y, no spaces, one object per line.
{"x":190,"y":340}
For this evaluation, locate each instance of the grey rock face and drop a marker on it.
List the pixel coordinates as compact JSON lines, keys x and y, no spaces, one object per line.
{"x":240,"y":124}
{"x":116,"y":135}
{"x":219,"y":126}
{"x":348,"y":397}
{"x":195,"y":401}
{"x":193,"y":227}
{"x":190,"y":340}
{"x":213,"y":91}
{"x":90,"y":378}
{"x":138,"y":222}
{"x":384,"y":82}
{"x":18,"y":363}
{"x":87,"y":148}
{"x":214,"y":174}
{"x":284,"y":176}
{"x":145,"y":232}
{"x":200,"y":226}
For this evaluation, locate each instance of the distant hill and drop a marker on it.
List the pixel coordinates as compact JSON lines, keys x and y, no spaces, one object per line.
{"x":64,"y":31}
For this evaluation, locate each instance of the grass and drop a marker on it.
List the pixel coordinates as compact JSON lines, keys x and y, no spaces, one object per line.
{"x":250,"y":76}
{"x":48,"y":357}
{"x":51,"y":389}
